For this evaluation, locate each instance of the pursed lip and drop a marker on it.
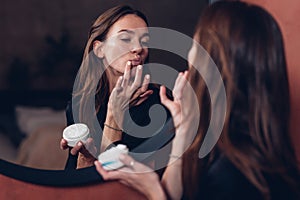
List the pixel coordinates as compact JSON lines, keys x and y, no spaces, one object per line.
{"x":136,"y":62}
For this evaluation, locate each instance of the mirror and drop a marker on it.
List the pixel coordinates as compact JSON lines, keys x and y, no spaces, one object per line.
{"x":40,"y":53}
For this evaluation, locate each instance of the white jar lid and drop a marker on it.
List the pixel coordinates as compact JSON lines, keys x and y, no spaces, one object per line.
{"x":75,"y":133}
{"x":121,"y":147}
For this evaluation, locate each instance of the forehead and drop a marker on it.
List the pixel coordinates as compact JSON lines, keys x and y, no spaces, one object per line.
{"x":128,"y":22}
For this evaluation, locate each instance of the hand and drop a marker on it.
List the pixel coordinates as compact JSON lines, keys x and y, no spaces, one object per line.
{"x":86,"y":152}
{"x":175,"y":106}
{"x":135,"y":175}
{"x":128,"y":93}
{"x":186,"y":119}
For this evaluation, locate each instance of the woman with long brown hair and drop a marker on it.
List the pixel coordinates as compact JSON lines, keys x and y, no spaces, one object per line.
{"x":254,"y":157}
{"x":117,"y":47}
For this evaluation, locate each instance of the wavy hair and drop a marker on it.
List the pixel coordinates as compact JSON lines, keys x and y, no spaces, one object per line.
{"x":246,"y":44}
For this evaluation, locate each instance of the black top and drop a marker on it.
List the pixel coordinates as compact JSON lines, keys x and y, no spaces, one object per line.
{"x":224,"y":181}
{"x":141,"y":142}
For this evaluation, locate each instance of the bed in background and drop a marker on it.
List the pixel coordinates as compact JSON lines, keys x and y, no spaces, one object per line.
{"x":31,"y":124}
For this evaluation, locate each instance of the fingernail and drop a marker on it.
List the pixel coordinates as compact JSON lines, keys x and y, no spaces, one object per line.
{"x":139,"y":66}
{"x":128,"y":62}
{"x":79,"y":144}
{"x":147,"y":76}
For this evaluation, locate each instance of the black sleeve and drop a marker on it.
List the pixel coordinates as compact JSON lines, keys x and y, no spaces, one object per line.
{"x":72,"y":160}
{"x":69,"y":114}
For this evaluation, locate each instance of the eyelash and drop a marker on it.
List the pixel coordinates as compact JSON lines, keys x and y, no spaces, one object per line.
{"x":146,"y":44}
{"x":128,"y":40}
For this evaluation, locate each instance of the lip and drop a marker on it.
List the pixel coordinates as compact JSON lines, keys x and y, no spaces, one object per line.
{"x":136,"y":62}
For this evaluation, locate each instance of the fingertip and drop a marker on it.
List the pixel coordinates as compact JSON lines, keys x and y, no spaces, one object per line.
{"x":162,"y":90}
{"x":186,"y":73}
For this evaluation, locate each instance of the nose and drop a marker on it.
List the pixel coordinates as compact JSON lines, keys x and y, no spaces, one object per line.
{"x":137,"y":48}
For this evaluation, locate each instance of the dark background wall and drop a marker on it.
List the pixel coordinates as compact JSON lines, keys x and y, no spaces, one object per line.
{"x":42,"y":41}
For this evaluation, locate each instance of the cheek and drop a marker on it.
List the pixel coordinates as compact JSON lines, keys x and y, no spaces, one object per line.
{"x":192,"y":56}
{"x":115,"y":57}
{"x":145,"y":54}
{"x":113,"y":53}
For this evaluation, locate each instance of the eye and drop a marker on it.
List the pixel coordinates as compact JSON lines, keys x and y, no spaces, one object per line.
{"x":126,"y":40}
{"x":145,"y":42}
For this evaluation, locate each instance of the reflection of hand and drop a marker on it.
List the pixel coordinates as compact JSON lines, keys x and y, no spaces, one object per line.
{"x":86,"y":152}
{"x":135,"y":175}
{"x":127,"y":92}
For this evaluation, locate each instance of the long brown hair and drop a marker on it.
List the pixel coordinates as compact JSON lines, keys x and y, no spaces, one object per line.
{"x":91,"y":86}
{"x":246,"y":44}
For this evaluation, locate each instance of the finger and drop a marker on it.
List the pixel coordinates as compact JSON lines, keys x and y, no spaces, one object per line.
{"x":63,"y":144}
{"x":140,"y":101}
{"x":90,"y":146}
{"x":126,"y":76}
{"x":164,"y":99}
{"x":119,"y":83}
{"x":100,"y":170}
{"x":127,"y":160}
{"x":138,"y":77}
{"x":180,"y":83}
{"x":109,"y":175}
{"x":145,"y":83}
{"x":143,"y":97}
{"x":76,"y":148}
{"x":146,"y":94}
{"x":131,"y":165}
{"x":175,"y":89}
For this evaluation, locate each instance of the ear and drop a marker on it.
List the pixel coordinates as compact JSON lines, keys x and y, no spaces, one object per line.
{"x":98,"y":48}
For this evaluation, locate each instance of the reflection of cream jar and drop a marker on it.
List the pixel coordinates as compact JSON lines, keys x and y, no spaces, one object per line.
{"x":75,"y":133}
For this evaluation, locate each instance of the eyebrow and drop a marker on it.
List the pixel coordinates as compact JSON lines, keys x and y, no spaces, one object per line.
{"x":132,"y":32}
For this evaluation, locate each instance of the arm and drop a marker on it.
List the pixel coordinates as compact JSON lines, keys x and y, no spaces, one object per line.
{"x":172,"y":178}
{"x":111,"y":132}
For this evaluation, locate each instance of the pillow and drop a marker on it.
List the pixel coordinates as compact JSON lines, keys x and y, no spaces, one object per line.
{"x":30,"y":119}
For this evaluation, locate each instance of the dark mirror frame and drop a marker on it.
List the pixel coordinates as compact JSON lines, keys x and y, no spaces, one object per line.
{"x":40,"y":176}
{"x":50,"y":177}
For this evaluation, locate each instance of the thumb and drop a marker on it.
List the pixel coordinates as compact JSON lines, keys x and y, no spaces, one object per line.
{"x":164,"y":99}
{"x":126,"y":159}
